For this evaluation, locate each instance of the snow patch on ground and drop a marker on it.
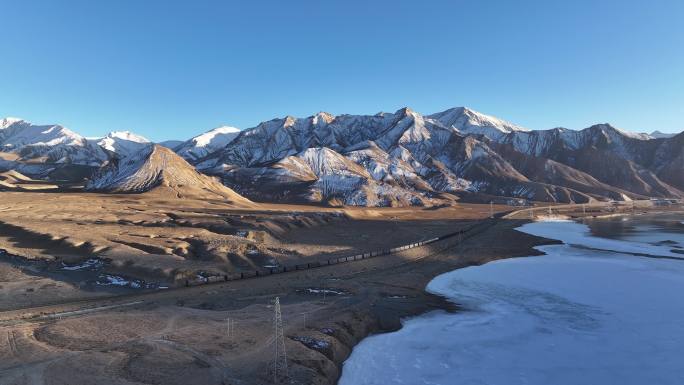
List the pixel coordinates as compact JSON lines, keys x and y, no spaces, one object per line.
{"x":113,"y":280}
{"x":313,"y":290}
{"x":312,"y":343}
{"x":116,"y":280}
{"x":90,"y":264}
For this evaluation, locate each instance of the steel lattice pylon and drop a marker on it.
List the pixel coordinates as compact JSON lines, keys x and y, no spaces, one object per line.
{"x":280,"y":359}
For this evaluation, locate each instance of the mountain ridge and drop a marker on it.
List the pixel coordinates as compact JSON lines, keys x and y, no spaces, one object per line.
{"x":406,"y":158}
{"x":456,"y":151}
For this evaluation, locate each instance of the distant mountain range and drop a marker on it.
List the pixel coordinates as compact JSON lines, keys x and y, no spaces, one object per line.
{"x":388,"y":159}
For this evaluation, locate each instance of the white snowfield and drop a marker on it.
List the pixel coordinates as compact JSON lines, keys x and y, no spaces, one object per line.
{"x":574,"y":316}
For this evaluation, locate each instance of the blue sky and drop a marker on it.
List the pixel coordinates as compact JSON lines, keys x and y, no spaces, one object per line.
{"x":173,"y":69}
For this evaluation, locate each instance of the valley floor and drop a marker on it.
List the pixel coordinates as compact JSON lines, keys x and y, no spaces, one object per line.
{"x":181,"y":335}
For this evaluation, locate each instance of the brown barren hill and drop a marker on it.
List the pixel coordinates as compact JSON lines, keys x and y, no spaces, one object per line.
{"x":161,"y":171}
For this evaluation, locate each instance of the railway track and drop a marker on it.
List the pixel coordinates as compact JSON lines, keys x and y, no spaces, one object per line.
{"x":75,"y":308}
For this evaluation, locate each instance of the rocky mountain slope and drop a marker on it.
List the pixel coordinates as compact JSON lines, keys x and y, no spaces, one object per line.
{"x":612,"y":156}
{"x":159,"y":170}
{"x":388,"y":159}
{"x":407,"y":158}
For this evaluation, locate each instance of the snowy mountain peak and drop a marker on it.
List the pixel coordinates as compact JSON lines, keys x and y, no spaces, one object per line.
{"x":609,"y":130}
{"x":123,"y":143}
{"x":127,"y":135}
{"x":209,"y":137}
{"x":406,"y":111}
{"x":8,"y":121}
{"x":47,"y":143}
{"x":289,"y":121}
{"x":23,"y":132}
{"x":322,"y":118}
{"x":660,"y":135}
{"x":208,"y":142}
{"x":469,"y":121}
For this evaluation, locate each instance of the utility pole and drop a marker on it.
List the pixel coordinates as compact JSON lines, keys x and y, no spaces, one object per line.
{"x":280,"y":358}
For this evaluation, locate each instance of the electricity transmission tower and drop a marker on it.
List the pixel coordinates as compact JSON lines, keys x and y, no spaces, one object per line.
{"x":280,"y":359}
{"x":230,"y":328}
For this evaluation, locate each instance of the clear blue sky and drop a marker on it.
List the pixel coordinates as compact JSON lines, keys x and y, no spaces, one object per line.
{"x":172,"y":69}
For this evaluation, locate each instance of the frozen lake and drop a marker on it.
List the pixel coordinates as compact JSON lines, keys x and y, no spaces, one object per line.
{"x":575,"y":316}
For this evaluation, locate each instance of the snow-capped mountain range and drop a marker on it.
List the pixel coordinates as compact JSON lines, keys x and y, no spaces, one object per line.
{"x":400,"y":158}
{"x":50,"y":143}
{"x":408,"y":158}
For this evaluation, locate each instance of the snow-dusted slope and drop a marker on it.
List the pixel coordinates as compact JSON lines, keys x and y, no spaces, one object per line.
{"x":610,"y":155}
{"x":160,"y":170}
{"x":206,"y":143}
{"x":320,"y":174}
{"x":279,"y":138}
{"x":346,"y":154}
{"x":442,"y":152}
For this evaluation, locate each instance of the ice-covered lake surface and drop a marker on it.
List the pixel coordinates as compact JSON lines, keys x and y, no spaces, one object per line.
{"x":573,"y":316}
{"x":662,"y":228}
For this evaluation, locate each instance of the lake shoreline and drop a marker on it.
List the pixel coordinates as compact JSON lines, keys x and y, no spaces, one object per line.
{"x":532,"y":251}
